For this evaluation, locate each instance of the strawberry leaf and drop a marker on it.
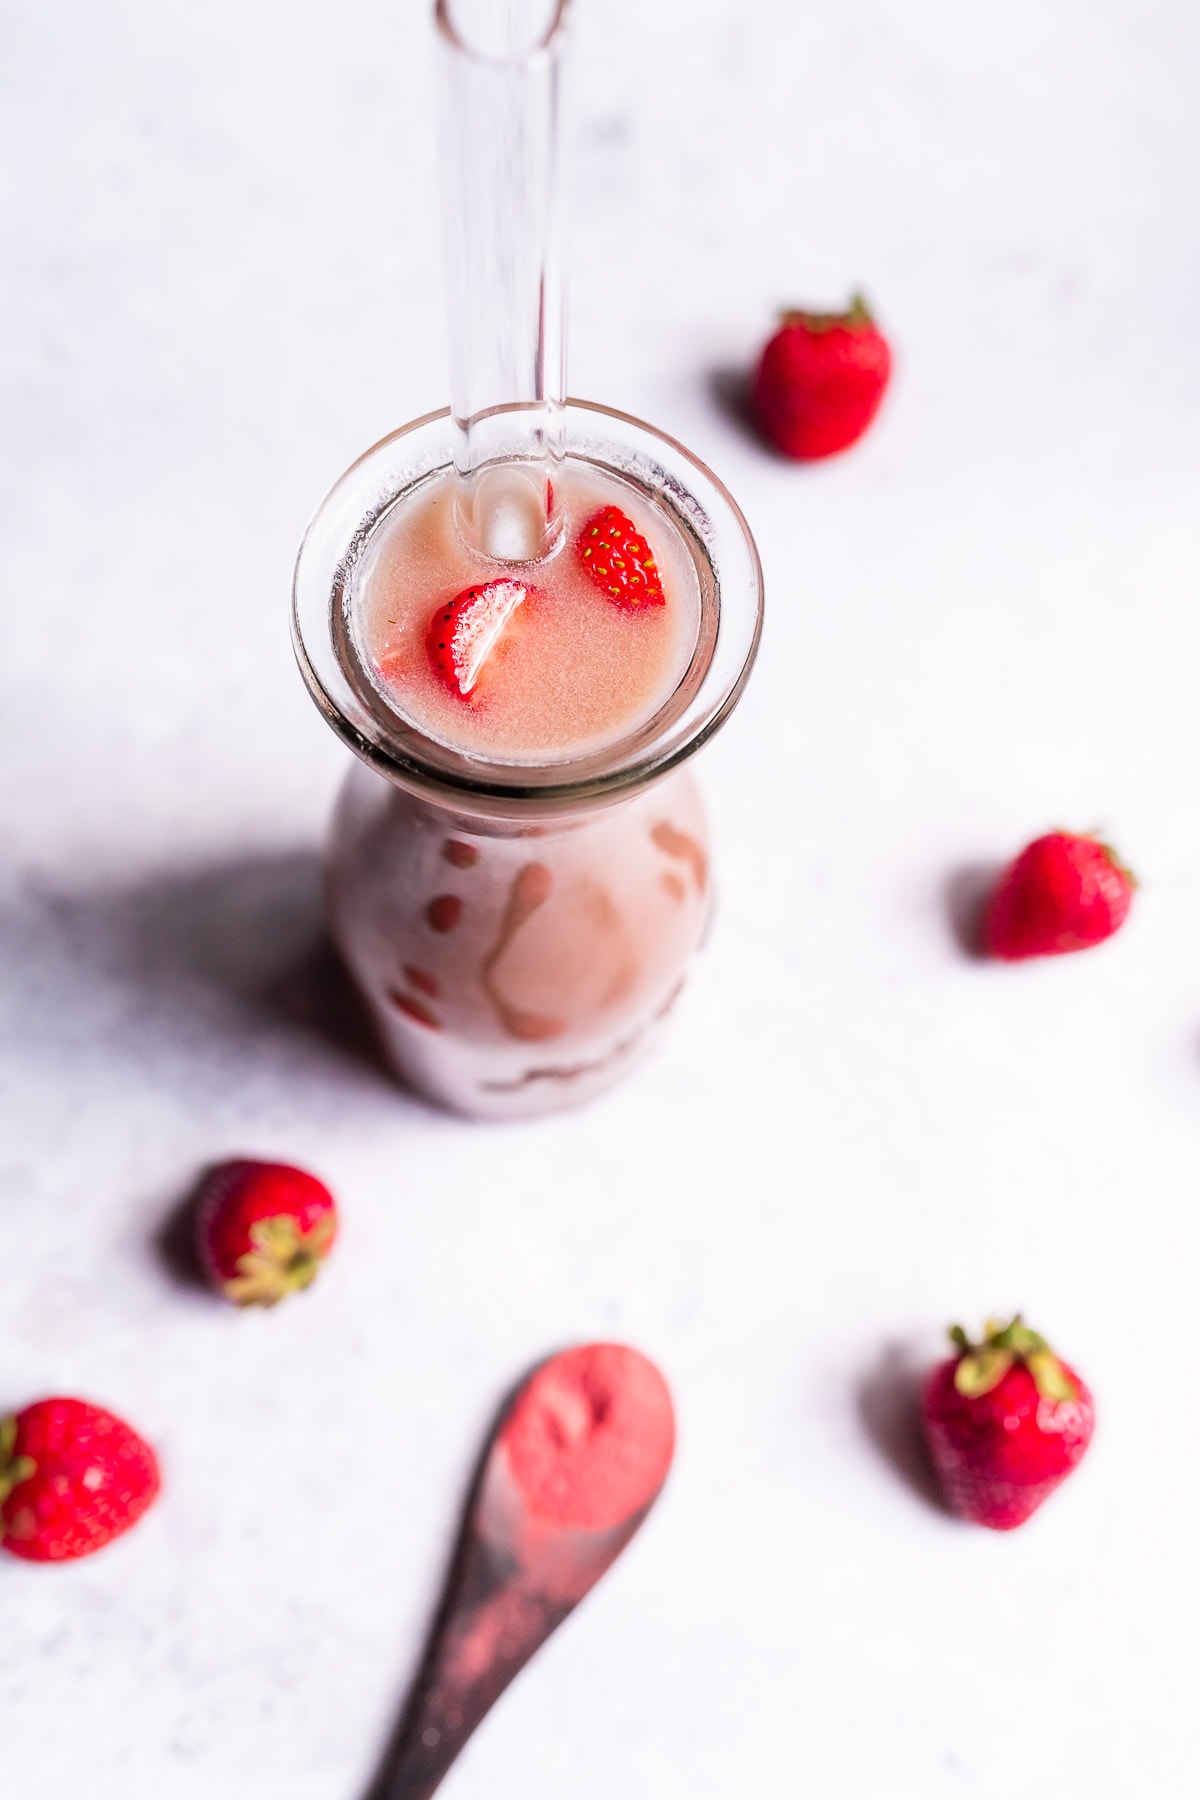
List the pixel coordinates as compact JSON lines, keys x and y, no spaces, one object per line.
{"x":13,"y":1469}
{"x":284,"y":1260}
{"x":981,"y":1370}
{"x":983,"y":1366}
{"x":1018,"y":1338}
{"x":1049,"y":1377}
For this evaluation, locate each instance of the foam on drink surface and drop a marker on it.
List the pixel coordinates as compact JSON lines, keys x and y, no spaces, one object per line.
{"x":573,"y":673}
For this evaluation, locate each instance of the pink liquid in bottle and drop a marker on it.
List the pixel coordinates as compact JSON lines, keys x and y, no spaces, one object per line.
{"x":518,"y":964}
{"x":571,"y":672}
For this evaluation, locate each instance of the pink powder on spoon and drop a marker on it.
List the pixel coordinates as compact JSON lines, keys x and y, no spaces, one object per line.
{"x":589,"y":1439}
{"x":574,"y":1468}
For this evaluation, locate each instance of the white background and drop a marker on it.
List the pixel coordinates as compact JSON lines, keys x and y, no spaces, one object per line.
{"x":220,"y":282}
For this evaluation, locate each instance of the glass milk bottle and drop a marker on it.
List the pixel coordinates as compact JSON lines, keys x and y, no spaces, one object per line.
{"x":523,"y":615}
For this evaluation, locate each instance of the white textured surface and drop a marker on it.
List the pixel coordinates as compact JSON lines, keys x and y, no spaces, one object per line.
{"x":220,"y":281}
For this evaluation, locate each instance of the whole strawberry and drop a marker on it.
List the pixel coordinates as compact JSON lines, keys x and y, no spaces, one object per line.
{"x":263,"y":1230}
{"x":1064,"y":892}
{"x":72,"y":1478}
{"x":1006,"y":1420}
{"x":820,"y":380}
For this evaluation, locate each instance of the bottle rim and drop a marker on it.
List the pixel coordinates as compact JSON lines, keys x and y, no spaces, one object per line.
{"x":341,"y":528}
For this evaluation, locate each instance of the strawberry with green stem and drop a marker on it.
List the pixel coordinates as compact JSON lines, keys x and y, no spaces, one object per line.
{"x":1006,"y":1420}
{"x":263,"y":1230}
{"x":821,"y":380}
{"x":1066,"y":891}
{"x":73,"y":1476}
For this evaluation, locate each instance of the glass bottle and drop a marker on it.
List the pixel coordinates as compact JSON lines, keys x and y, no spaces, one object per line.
{"x":519,"y":931}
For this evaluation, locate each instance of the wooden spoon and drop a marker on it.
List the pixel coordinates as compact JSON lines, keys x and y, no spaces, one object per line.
{"x":577,"y":1462}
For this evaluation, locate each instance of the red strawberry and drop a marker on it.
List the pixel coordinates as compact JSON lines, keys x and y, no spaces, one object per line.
{"x":463,"y":633}
{"x":263,"y":1230}
{"x":1006,"y":1421}
{"x":72,"y":1478}
{"x":1062,"y":893}
{"x":619,"y":560}
{"x":820,"y":380}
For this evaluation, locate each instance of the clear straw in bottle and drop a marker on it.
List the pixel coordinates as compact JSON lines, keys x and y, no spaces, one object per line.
{"x":501,"y":81}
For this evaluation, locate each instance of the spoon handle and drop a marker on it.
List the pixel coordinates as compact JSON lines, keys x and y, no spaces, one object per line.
{"x":491,"y":1627}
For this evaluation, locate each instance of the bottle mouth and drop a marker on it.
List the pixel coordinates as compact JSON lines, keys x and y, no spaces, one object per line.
{"x":338,"y":538}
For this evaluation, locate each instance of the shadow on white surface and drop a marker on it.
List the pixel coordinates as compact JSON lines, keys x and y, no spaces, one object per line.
{"x":729,"y":389}
{"x":890,"y":1411}
{"x":185,"y":970}
{"x":175,"y":1239}
{"x":965,"y":894}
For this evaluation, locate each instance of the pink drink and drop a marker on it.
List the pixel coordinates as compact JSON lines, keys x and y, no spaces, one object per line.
{"x":571,"y":673}
{"x":510,"y":974}
{"x":519,"y":962}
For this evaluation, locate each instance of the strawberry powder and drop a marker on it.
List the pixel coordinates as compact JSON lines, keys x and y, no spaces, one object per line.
{"x":590,"y":1438}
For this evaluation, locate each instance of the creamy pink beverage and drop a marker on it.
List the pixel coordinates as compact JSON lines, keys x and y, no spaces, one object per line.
{"x":572,"y":669}
{"x":518,"y":963}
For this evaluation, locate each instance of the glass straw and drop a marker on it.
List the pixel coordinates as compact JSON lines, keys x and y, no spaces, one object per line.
{"x":501,"y":81}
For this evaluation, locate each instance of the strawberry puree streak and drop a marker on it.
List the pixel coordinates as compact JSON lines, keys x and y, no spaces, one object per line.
{"x":571,"y":673}
{"x":590,"y":1439}
{"x":514,"y":974}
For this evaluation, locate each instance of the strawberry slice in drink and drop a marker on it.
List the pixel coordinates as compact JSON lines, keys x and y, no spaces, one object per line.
{"x":464,"y":632}
{"x":620,"y":561}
